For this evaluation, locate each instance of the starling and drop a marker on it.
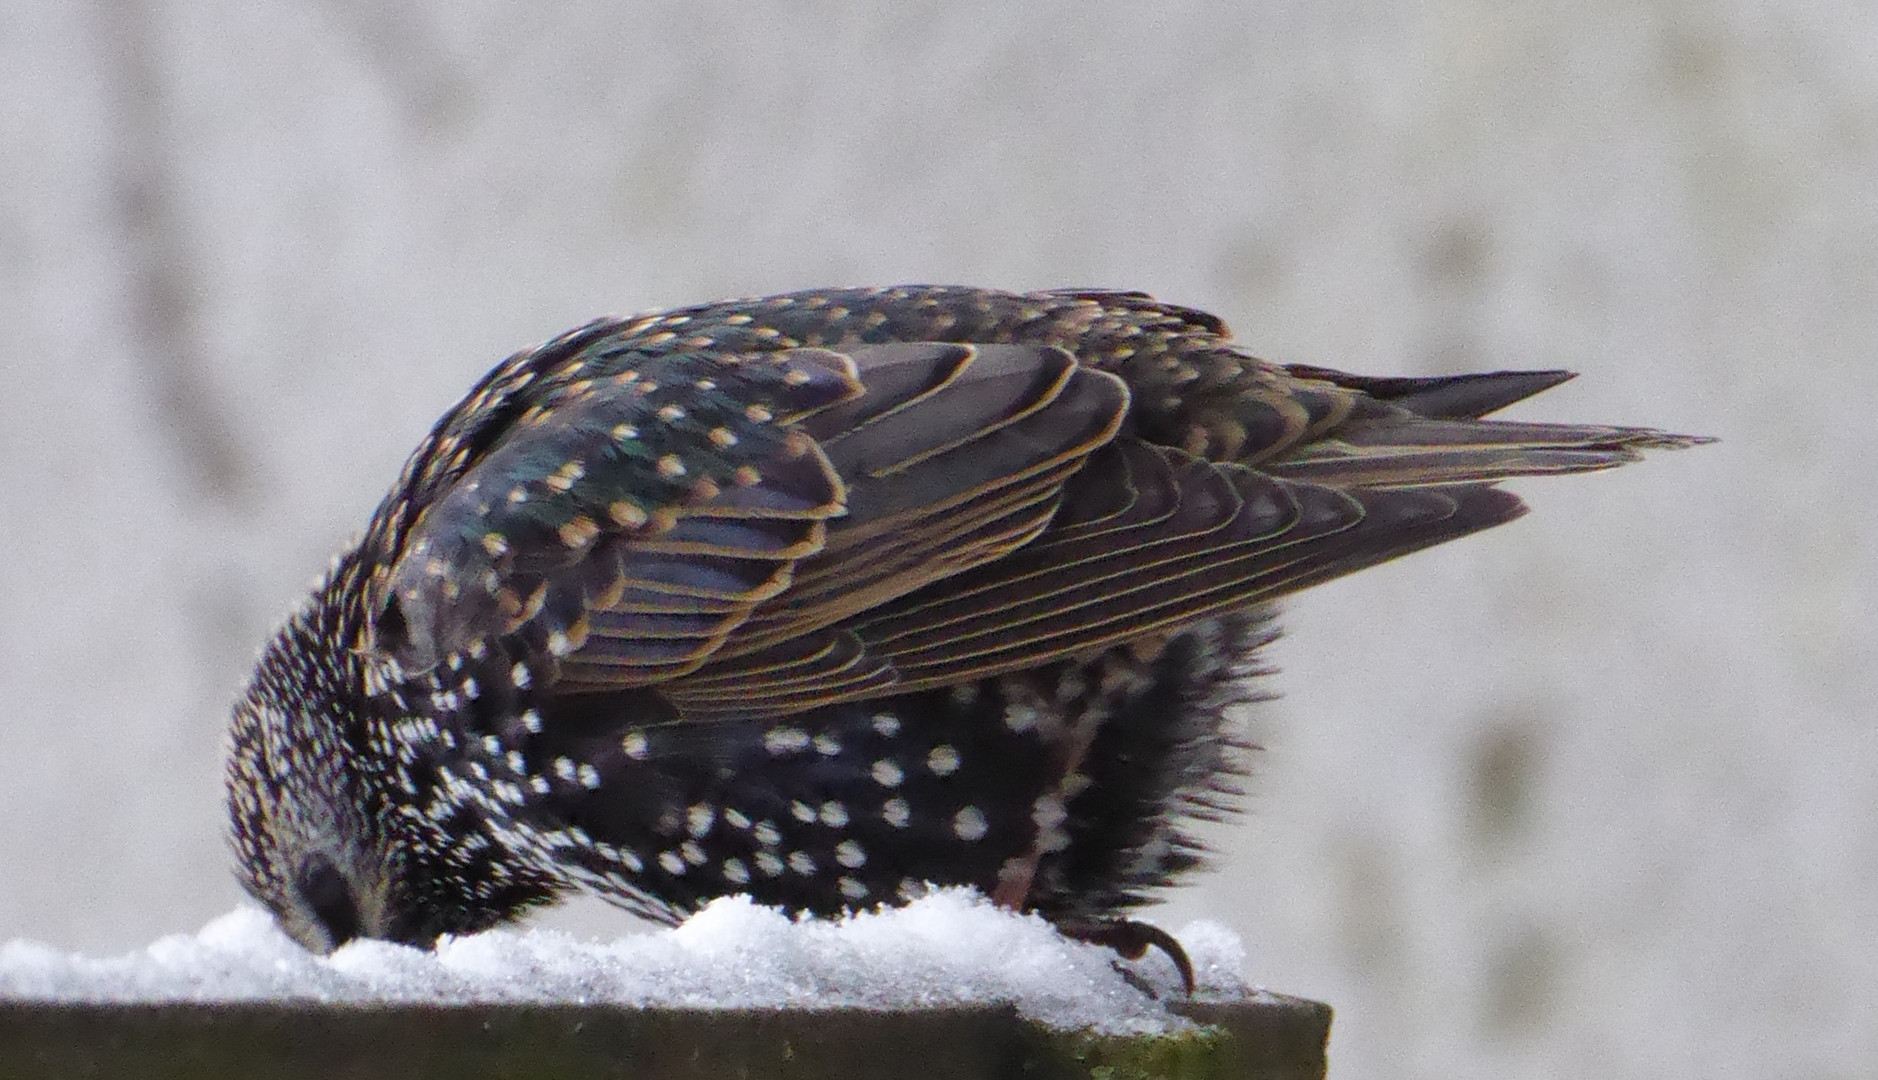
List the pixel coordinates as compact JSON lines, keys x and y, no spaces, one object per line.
{"x":826,"y":597}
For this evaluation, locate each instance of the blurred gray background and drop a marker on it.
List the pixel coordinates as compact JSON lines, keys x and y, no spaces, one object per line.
{"x":1590,"y":795}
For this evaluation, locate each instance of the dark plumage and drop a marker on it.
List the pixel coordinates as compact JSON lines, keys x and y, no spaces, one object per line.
{"x":819,"y":597}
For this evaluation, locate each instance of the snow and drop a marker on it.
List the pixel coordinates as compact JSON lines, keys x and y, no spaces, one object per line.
{"x":951,"y":947}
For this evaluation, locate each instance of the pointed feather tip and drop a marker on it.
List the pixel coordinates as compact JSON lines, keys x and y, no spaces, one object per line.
{"x":1480,"y":394}
{"x":1651,"y":439}
{"x":1627,"y":445}
{"x":1477,"y":395}
{"x":1444,"y":397}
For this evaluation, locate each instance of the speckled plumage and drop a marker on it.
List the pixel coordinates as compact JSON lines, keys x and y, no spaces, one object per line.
{"x":824,"y":596}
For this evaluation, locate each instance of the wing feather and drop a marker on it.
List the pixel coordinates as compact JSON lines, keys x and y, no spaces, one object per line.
{"x":1149,"y":539}
{"x":634,"y":526}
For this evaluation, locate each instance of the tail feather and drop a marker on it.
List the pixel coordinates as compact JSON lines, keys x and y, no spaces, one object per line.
{"x":1444,"y":397}
{"x":1428,"y":432}
{"x":1417,"y":453}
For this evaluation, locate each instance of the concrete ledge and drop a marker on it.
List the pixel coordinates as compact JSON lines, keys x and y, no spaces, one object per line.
{"x":1270,"y":1038}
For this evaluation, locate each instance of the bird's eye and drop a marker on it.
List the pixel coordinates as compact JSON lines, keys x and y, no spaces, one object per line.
{"x":324,"y":889}
{"x":390,"y":632}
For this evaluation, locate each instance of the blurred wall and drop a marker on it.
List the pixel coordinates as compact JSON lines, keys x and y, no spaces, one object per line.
{"x":1589,"y":795}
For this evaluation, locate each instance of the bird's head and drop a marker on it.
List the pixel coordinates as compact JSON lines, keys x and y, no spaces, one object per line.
{"x":325,"y":814}
{"x":309,"y":839}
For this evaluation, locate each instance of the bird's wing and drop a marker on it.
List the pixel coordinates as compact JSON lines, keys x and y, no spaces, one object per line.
{"x":627,"y":526}
{"x":1148,"y":539}
{"x":770,"y":532}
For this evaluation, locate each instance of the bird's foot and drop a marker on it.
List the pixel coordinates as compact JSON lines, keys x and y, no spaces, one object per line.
{"x":1131,"y":940}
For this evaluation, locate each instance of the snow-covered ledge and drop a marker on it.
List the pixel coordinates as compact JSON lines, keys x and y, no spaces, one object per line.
{"x":946,"y":986}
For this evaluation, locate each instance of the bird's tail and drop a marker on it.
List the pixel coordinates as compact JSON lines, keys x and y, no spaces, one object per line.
{"x":1427,"y":432}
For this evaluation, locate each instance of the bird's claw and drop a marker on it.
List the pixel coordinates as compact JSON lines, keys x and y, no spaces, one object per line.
{"x":1131,"y":940}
